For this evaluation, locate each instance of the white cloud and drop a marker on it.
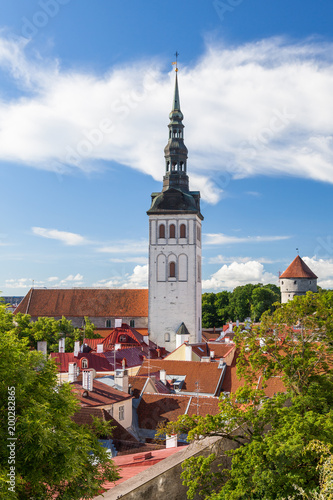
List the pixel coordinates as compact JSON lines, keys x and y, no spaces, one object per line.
{"x":136,"y":260}
{"x":126,"y":247}
{"x":223,"y":239}
{"x":264,"y":111}
{"x":221,"y":259}
{"x":65,"y":237}
{"x":18,"y":283}
{"x":323,"y":268}
{"x":237,"y":274}
{"x":77,"y":279}
{"x":52,"y":278}
{"x":138,"y":279}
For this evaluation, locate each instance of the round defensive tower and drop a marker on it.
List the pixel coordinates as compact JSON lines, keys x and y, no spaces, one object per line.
{"x":297,"y":279}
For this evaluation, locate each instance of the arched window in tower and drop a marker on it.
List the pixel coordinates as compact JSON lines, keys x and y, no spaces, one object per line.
{"x":172,"y":270}
{"x":181,"y":166}
{"x":168,"y":166}
{"x":170,"y":134}
{"x":167,"y":337}
{"x":172,"y":231}
{"x":182,"y":231}
{"x":175,"y":133}
{"x":161,"y":231}
{"x":174,"y":166}
{"x":198,"y":233}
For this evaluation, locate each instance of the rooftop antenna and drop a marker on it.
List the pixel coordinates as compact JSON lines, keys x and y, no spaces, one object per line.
{"x":175,"y":63}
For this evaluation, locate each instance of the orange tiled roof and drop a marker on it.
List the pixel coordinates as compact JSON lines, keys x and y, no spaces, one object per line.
{"x":92,"y":302}
{"x":101,"y":395}
{"x":201,"y":377}
{"x":298,"y":269}
{"x":86,"y":415}
{"x":157,"y":408}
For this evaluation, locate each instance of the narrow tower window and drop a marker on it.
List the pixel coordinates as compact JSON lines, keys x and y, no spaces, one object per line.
{"x":182,"y":231}
{"x":172,"y":270}
{"x":172,"y":231}
{"x":161,"y":231}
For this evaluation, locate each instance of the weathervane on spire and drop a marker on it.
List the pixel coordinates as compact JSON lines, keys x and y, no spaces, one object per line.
{"x":176,"y":62}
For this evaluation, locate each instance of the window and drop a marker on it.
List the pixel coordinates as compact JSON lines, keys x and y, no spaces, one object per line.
{"x":121,"y":412}
{"x":281,"y":282}
{"x":198,"y":233}
{"x":161,"y":233}
{"x":84,"y":363}
{"x":167,"y":337}
{"x":182,"y":231}
{"x":122,"y":338}
{"x":295,"y":282}
{"x":172,"y":270}
{"x":132,"y":323}
{"x":108,"y":323}
{"x":172,"y":231}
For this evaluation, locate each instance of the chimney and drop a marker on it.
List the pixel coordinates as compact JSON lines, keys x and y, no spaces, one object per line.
{"x":62,"y":344}
{"x":230,"y":326}
{"x":99,"y":348}
{"x":42,"y":347}
{"x":237,"y":323}
{"x":212,"y":354}
{"x":163,"y":376}
{"x":76,"y":348}
{"x":118,"y":322}
{"x":146,"y":339}
{"x":188,"y":352}
{"x":121,"y":380}
{"x":87,"y":379}
{"x":72,"y":372}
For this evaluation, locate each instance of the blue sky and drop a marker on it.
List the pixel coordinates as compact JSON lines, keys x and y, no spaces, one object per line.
{"x":85,"y":93}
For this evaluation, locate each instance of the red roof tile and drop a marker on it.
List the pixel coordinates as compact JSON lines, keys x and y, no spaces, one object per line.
{"x":298,"y":269}
{"x":200,"y":377}
{"x":155,"y":409}
{"x":92,"y":302}
{"x":86,"y":415}
{"x":101,"y":395}
{"x":95,"y":360}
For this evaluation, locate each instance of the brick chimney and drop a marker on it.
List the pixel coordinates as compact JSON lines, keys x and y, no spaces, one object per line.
{"x":121,"y":380}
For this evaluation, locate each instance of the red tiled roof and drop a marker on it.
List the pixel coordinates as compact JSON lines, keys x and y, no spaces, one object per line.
{"x":220,"y":349}
{"x":298,"y":269}
{"x":86,"y":415}
{"x":95,"y":360}
{"x":155,"y":409}
{"x":201,"y":377}
{"x":138,"y":382}
{"x":120,"y":335}
{"x":101,"y":395}
{"x":92,"y":302}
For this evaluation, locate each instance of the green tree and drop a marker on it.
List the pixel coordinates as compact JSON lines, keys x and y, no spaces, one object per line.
{"x":209,"y":312}
{"x":240,"y":302}
{"x":222,"y":304}
{"x":53,"y":456}
{"x":262,"y":299}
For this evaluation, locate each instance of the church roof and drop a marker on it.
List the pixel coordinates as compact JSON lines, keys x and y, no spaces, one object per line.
{"x":298,"y":269}
{"x":79,"y":302}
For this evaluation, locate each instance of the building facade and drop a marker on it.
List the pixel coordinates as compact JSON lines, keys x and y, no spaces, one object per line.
{"x":175,"y":245}
{"x":297,"y":279}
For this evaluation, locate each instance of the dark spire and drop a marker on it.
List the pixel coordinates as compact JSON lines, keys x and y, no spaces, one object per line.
{"x":175,"y":151}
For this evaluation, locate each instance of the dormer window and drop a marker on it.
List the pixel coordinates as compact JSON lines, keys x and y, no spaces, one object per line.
{"x":108,"y":323}
{"x":84,"y":363}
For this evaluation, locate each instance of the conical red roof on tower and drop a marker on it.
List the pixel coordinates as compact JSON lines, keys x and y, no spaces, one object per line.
{"x":298,"y":269}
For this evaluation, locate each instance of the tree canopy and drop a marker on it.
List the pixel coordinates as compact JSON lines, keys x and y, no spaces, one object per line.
{"x":247,"y":301}
{"x":51,"y":454}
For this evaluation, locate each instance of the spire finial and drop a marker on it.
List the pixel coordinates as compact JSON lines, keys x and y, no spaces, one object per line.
{"x":176,"y":62}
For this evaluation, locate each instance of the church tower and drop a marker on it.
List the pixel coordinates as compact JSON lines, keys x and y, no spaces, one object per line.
{"x":175,"y":246}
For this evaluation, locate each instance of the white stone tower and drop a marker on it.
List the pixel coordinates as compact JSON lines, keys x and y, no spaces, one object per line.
{"x":297,"y":279}
{"x":175,"y":247}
